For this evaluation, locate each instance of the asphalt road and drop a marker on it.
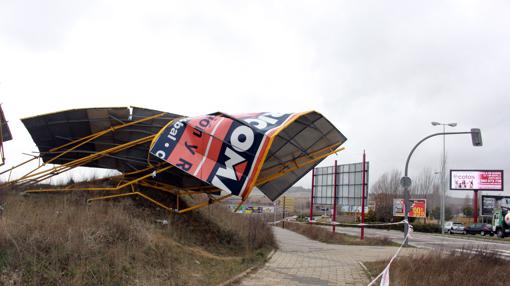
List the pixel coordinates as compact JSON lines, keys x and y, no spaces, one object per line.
{"x":436,"y":241}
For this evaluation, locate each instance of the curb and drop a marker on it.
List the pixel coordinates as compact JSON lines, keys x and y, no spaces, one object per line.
{"x":247,"y":272}
{"x":366,"y":270}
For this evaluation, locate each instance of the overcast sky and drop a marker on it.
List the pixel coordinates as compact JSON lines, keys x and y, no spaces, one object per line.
{"x":381,"y":71}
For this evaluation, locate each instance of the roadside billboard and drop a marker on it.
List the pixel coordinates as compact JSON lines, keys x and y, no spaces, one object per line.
{"x":348,"y":187}
{"x":418,"y":208}
{"x":489,"y":203}
{"x":481,"y":180}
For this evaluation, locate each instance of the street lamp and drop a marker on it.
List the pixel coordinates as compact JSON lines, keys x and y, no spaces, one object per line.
{"x":443,"y":172}
{"x":405,"y":182}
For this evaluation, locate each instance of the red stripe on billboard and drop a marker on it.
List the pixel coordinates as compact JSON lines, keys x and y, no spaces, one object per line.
{"x":222,"y":150}
{"x":215,"y":142}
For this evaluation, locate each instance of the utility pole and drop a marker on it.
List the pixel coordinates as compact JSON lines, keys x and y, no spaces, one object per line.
{"x":363,"y":180}
{"x":405,"y":181}
{"x":443,"y":172}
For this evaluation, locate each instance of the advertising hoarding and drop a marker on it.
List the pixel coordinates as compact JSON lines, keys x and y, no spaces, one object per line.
{"x":349,"y":186}
{"x":481,"y":180}
{"x":418,"y":208}
{"x":224,"y":151}
{"x":489,"y":203}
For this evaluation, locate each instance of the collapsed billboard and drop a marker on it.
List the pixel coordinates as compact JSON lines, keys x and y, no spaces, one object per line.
{"x":481,"y":180}
{"x":224,"y":151}
{"x":235,"y":152}
{"x":218,"y":154}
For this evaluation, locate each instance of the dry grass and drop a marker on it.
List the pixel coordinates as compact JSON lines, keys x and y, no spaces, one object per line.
{"x":325,"y":235}
{"x":61,"y":240}
{"x":477,"y":267}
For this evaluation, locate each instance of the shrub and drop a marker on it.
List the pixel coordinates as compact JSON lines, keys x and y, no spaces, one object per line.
{"x":468,"y":267}
{"x":61,"y":240}
{"x":323,"y":234}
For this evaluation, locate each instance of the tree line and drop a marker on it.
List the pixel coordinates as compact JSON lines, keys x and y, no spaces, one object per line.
{"x":425,"y":186}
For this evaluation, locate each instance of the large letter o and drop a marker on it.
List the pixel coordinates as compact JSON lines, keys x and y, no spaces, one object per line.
{"x":242,"y":138}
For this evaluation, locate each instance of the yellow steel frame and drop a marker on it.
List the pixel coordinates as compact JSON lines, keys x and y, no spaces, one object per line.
{"x":116,"y":188}
{"x":46,"y":174}
{"x":143,"y":181}
{"x":152,"y":200}
{"x":142,"y":177}
{"x":133,"y":193}
{"x":297,"y":162}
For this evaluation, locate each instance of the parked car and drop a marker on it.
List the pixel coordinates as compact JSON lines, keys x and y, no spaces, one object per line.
{"x":480,"y":228}
{"x":454,"y":227}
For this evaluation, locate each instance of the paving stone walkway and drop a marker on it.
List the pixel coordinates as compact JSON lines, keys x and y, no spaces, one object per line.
{"x":302,"y":261}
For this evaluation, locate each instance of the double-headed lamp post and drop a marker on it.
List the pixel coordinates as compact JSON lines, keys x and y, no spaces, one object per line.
{"x":405,"y":182}
{"x":443,"y":172}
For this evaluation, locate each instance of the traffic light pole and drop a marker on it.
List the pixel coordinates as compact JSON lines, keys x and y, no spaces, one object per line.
{"x":406,"y":182}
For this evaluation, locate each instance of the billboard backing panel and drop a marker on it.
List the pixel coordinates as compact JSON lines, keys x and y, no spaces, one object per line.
{"x":349,"y":186}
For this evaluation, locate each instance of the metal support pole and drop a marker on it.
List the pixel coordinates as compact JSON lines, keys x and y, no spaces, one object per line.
{"x":275,"y":207}
{"x":475,"y":206}
{"x":407,"y":205}
{"x":363,"y":180}
{"x":334,"y":198}
{"x":283,"y":213}
{"x":443,"y":183}
{"x":311,"y":197}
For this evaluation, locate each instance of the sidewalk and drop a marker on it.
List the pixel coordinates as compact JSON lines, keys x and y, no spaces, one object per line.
{"x":302,"y":261}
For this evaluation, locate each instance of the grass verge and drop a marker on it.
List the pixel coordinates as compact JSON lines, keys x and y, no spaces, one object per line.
{"x":474,"y":267}
{"x":61,"y":240}
{"x":324,"y":235}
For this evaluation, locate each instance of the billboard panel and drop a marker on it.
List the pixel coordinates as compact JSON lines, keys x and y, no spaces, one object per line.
{"x":348,"y":187}
{"x":481,"y":180}
{"x":224,"y":151}
{"x":489,"y":203}
{"x":418,"y":208}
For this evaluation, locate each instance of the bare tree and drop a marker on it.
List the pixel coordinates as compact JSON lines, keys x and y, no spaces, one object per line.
{"x":422,"y":185}
{"x":387,"y":188}
{"x":384,"y":190}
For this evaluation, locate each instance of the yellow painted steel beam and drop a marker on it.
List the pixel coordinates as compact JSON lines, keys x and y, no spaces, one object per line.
{"x":86,"y":139}
{"x":14,"y":167}
{"x":46,"y":174}
{"x":240,"y":204}
{"x":111,"y":129}
{"x":297,"y":166}
{"x":118,"y":187}
{"x":194,"y":190}
{"x":91,"y":137}
{"x":204,"y":204}
{"x":132,"y":194}
{"x":197,"y":206}
{"x":285,"y":164}
{"x":159,"y":188}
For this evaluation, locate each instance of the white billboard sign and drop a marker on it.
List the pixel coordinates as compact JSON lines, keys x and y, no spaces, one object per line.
{"x":482,"y":180}
{"x":348,"y":186}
